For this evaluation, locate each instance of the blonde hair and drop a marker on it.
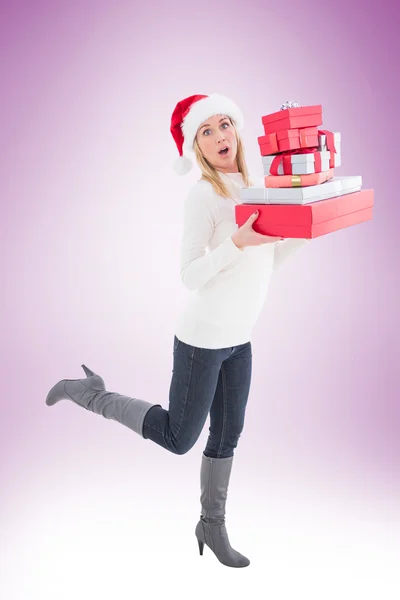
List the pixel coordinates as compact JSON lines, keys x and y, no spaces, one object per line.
{"x":209,"y":173}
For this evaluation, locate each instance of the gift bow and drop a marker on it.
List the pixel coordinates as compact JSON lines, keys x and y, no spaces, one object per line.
{"x":289,"y":104}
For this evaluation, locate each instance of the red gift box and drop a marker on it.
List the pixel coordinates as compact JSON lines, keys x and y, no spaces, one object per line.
{"x":288,"y":139}
{"x":268,"y":144}
{"x":309,"y":220}
{"x":303,"y":132}
{"x":286,"y":181}
{"x":292,"y":118}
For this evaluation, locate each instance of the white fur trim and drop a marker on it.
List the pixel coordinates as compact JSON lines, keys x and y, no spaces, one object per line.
{"x":215,"y":104}
{"x":182,"y":165}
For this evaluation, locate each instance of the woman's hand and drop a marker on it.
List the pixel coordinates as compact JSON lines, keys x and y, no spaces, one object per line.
{"x":246,"y":236}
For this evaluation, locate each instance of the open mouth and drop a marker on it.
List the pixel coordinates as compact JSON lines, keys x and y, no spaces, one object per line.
{"x":224,"y":151}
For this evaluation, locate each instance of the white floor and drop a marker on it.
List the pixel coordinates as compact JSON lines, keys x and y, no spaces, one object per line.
{"x":83,"y":529}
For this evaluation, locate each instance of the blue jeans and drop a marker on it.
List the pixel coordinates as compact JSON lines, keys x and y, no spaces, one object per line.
{"x":204,"y":381}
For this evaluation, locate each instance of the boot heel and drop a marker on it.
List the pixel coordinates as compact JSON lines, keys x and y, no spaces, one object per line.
{"x":88,"y":371}
{"x":201,"y":546}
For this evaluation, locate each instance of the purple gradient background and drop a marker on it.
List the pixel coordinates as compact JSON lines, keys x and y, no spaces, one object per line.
{"x":90,"y":232}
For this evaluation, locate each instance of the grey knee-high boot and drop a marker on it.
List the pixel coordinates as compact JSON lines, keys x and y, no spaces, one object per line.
{"x":211,"y":529}
{"x":90,"y":393}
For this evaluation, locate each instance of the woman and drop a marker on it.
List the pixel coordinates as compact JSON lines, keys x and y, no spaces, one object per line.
{"x":212,"y":349}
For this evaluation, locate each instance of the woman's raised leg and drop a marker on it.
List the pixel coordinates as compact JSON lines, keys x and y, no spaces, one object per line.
{"x":193,"y":384}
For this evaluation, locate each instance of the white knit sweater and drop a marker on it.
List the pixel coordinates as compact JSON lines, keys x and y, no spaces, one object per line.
{"x":228,"y":285}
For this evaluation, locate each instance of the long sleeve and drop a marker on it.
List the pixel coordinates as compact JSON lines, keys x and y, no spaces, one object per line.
{"x":197,"y":267}
{"x":286,"y":248}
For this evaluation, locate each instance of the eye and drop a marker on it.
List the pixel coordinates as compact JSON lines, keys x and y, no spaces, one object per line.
{"x":224,"y":123}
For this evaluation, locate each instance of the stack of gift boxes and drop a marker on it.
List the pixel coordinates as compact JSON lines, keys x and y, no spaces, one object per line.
{"x":301,"y":197}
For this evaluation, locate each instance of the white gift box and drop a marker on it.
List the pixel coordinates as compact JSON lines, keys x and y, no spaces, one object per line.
{"x":337,"y":160}
{"x":302,"y":164}
{"x":349,"y":182}
{"x":252,"y":194}
{"x":337,"y":186}
{"x":337,"y":138}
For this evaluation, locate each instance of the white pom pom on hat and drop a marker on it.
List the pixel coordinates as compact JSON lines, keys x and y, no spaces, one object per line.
{"x":182,"y":165}
{"x":187,"y":117}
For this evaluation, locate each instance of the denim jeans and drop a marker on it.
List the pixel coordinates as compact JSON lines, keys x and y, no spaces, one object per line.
{"x":204,"y":381}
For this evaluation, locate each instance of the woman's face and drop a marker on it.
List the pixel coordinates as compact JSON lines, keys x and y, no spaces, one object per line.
{"x":213,"y":135}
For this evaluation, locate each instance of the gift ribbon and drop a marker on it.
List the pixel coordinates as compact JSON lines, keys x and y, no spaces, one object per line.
{"x":304,"y":133}
{"x":285,"y":157}
{"x":296,"y":181}
{"x":330,"y":145}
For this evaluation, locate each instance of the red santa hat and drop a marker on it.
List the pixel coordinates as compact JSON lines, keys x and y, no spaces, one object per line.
{"x":189,"y":114}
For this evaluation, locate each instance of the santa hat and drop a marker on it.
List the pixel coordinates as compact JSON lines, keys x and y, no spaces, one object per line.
{"x":189,"y":114}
